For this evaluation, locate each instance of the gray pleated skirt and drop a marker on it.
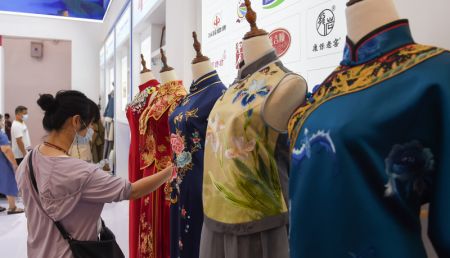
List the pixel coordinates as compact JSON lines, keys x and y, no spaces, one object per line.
{"x":271,"y":243}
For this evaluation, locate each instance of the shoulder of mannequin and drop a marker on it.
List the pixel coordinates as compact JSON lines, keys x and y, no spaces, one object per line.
{"x":294,"y":80}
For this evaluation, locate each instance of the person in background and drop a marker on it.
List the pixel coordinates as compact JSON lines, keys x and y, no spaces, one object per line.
{"x":20,"y":136}
{"x":70,"y":191}
{"x":8,"y":165}
{"x":8,"y":125}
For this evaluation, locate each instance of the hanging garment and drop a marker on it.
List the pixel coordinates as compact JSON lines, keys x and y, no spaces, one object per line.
{"x":245,"y":175}
{"x":154,"y":121}
{"x":109,"y":137}
{"x":188,"y":124}
{"x":138,"y":145}
{"x":109,"y":110}
{"x":98,"y":142}
{"x":370,"y":147}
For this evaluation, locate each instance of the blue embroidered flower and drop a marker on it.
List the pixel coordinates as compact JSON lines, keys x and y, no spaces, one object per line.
{"x":184,"y":159}
{"x":409,"y":168}
{"x":247,"y":96}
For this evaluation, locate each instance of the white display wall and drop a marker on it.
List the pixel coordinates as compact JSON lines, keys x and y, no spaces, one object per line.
{"x":311,"y":49}
{"x":309,"y":35}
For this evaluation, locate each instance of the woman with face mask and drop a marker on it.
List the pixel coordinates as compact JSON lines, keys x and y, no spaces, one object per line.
{"x":70,"y":191}
{"x":8,"y":165}
{"x":81,"y":145}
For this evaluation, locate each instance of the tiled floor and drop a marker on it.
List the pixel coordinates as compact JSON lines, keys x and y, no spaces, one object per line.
{"x":13,"y":230}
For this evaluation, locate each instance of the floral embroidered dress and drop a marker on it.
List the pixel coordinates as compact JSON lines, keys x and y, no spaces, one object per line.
{"x":154,"y":121}
{"x":139,"y":144}
{"x":370,"y":147}
{"x":188,"y":125}
{"x":245,"y":170}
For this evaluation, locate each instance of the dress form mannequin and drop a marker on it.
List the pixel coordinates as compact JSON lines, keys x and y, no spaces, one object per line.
{"x":201,"y":64}
{"x":286,"y":97}
{"x":167,"y":73}
{"x":146,"y":74}
{"x":383,"y":57}
{"x":364,"y":16}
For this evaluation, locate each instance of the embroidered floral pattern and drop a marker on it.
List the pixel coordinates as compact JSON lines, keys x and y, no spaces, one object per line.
{"x":177,"y":143}
{"x":346,"y":80}
{"x":192,"y":114}
{"x":241,"y":148}
{"x":253,"y":182}
{"x":186,"y":218}
{"x":163,"y":162}
{"x":147,"y":151}
{"x":247,"y":96}
{"x":140,"y":100}
{"x":212,"y":133}
{"x":267,"y":71}
{"x":409,"y":168}
{"x":184,"y":159}
{"x":146,"y":243}
{"x":168,"y":94}
{"x":183,"y":156}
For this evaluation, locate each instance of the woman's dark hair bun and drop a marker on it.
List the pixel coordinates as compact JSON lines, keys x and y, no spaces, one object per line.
{"x":64,"y":105}
{"x":47,"y":102}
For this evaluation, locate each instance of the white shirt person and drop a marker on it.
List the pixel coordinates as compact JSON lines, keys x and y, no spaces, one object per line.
{"x":20,"y":136}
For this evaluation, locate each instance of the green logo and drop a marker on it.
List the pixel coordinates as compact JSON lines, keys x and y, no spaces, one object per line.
{"x":269,"y":4}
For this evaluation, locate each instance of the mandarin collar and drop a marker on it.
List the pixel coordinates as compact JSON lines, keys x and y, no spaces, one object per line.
{"x":204,"y":81}
{"x":256,"y":65}
{"x":377,"y":43}
{"x":150,"y":83}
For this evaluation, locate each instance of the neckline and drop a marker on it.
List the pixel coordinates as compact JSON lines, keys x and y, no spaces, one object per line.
{"x":377,"y":43}
{"x":257,"y":65}
{"x":150,"y":83}
{"x":205,"y":80}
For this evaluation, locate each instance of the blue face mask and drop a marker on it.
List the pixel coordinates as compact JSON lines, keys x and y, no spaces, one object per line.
{"x":84,"y":139}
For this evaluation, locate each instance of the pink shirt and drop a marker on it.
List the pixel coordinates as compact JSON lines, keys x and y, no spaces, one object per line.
{"x":71,"y":191}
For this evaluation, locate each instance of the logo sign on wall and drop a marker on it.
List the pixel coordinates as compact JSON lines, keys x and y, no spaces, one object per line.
{"x":218,"y":26}
{"x":326,"y":29}
{"x":220,"y":61}
{"x":239,"y":54}
{"x":241,"y":11}
{"x":269,"y":4}
{"x":325,"y":22}
{"x":281,"y":41}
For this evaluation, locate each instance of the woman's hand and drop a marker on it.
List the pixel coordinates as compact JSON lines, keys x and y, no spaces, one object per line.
{"x":149,"y":184}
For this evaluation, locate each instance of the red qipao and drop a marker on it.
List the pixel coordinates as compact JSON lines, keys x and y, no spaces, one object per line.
{"x":148,"y":117}
{"x":137,"y":143}
{"x":154,"y":121}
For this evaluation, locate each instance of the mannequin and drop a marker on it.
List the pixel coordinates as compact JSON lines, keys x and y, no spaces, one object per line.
{"x":140,"y":146}
{"x":201,"y":64}
{"x":146,"y":74}
{"x":357,"y":143}
{"x":167,"y":73}
{"x":284,"y":98}
{"x":246,"y":161}
{"x":374,"y":13}
{"x":189,"y":121}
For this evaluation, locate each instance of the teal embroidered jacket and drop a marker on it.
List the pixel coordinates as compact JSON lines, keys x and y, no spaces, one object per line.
{"x":370,"y":147}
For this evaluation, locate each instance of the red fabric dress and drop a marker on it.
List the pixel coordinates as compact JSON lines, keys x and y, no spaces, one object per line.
{"x":137,"y":143}
{"x":154,"y":121}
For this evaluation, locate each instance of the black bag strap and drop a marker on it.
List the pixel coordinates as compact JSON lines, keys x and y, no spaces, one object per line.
{"x":58,"y":224}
